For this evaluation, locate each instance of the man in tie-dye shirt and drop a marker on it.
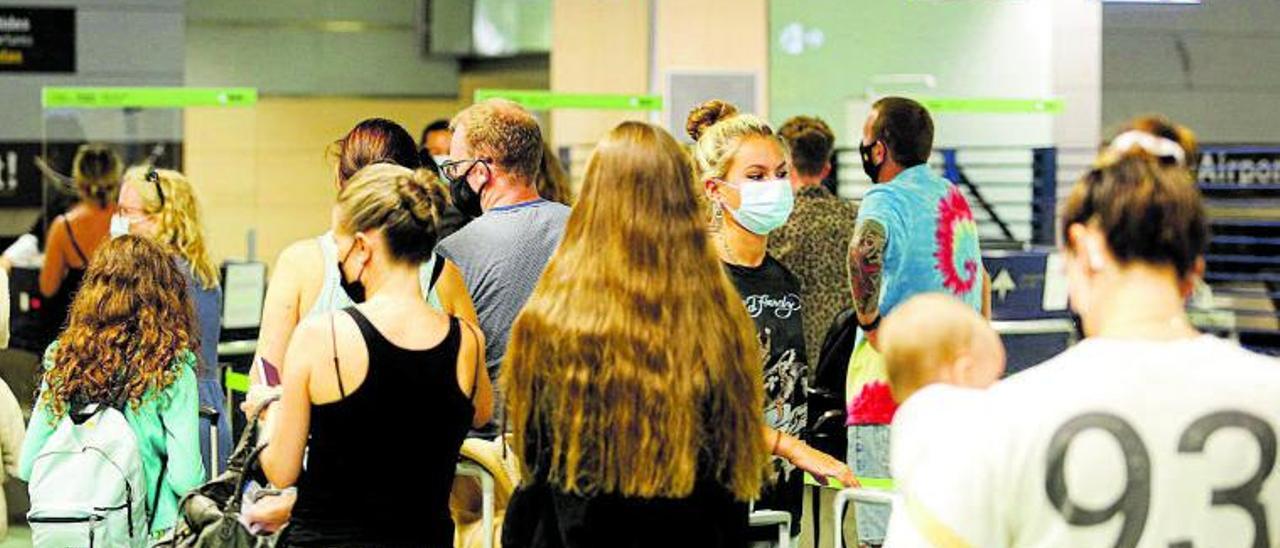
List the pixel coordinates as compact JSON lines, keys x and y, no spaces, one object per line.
{"x":915,"y":234}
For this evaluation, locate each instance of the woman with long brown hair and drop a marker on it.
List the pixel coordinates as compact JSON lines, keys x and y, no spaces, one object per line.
{"x":129,"y":342}
{"x":632,"y":380}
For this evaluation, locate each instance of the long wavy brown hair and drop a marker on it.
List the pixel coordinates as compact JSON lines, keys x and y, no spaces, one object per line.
{"x":634,"y":359}
{"x":130,"y":319}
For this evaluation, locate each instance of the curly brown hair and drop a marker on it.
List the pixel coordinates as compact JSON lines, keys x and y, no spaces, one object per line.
{"x":131,"y":318}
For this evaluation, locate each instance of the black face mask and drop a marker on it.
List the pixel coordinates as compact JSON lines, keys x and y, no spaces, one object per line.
{"x":872,"y":170}
{"x":354,"y":290}
{"x":464,"y":198}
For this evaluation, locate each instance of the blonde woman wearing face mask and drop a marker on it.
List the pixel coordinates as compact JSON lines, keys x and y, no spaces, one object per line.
{"x":743,"y":167}
{"x":160,"y":204}
{"x":357,"y":381}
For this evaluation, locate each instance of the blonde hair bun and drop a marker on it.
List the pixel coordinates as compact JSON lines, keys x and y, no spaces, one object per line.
{"x":422,"y":196}
{"x":703,"y":116}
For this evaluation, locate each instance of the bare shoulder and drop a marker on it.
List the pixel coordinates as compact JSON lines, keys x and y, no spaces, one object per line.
{"x":300,"y":255}
{"x":314,"y":339}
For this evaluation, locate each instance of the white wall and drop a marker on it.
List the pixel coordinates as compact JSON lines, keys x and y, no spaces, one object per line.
{"x":971,"y":49}
{"x":1211,"y":67}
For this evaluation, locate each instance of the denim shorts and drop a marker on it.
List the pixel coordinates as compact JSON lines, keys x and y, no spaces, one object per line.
{"x":869,"y":456}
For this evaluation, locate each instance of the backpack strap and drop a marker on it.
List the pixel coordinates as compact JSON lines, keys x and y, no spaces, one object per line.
{"x":164,"y":466}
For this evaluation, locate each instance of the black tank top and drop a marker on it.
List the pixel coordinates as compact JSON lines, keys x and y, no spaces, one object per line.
{"x":381,"y":460}
{"x":57,"y":306}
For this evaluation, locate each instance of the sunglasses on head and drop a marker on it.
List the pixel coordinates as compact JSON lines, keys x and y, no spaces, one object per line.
{"x":154,"y":178}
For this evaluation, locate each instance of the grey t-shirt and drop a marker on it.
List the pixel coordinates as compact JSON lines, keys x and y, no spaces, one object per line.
{"x":502,"y":254}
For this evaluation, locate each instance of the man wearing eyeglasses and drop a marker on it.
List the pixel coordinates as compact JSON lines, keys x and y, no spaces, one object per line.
{"x":495,"y":155}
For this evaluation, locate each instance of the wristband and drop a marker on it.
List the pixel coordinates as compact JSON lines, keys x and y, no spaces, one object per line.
{"x":872,"y":326}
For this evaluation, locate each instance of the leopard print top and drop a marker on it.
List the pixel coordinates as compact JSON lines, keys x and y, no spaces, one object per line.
{"x":814,"y":245}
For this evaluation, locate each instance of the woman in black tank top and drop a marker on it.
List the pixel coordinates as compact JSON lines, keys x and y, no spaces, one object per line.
{"x":379,"y":397}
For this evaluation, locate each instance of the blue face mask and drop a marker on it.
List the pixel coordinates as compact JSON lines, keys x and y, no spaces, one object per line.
{"x":766,"y":205}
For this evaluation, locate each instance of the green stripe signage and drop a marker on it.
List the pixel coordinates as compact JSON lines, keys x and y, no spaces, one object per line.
{"x":548,"y":100}
{"x":146,"y":97}
{"x":991,"y":105}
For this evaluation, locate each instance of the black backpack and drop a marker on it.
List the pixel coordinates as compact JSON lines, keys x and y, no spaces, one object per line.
{"x":827,"y":430}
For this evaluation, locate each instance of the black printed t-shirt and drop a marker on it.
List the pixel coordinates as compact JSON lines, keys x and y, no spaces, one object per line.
{"x":771,"y":294}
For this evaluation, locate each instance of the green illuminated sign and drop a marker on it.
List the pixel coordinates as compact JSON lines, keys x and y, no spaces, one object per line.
{"x":991,"y":105}
{"x":146,"y":97}
{"x":237,"y":382}
{"x":547,"y":100}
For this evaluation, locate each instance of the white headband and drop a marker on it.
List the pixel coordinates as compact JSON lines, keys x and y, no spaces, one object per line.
{"x":1157,"y":146}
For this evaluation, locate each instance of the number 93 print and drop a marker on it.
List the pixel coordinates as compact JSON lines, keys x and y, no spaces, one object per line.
{"x":1134,"y":502}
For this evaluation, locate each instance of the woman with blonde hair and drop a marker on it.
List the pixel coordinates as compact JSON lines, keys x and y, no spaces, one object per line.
{"x":632,"y":382}
{"x":743,"y":167}
{"x":160,"y":204}
{"x":128,"y":344}
{"x":389,"y":370}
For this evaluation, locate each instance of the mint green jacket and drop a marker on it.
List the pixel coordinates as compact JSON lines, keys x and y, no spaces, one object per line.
{"x":179,"y":404}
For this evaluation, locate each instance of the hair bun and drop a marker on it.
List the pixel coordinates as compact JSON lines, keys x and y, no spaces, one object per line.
{"x":421,"y":196}
{"x":703,"y":116}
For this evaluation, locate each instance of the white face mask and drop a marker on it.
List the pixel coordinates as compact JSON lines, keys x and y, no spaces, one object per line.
{"x":119,"y":225}
{"x":765,"y":206}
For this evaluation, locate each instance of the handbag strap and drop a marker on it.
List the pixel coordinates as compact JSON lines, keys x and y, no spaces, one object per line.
{"x":246,"y":453}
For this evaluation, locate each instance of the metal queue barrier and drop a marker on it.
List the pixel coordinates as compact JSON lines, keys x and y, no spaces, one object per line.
{"x":470,"y":469}
{"x":857,"y":495}
{"x":772,"y":518}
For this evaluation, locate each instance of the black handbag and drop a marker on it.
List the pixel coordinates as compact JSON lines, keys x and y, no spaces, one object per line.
{"x":209,"y":516}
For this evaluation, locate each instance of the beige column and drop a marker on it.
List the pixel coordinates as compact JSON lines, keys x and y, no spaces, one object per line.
{"x":713,"y":36}
{"x":597,"y":46}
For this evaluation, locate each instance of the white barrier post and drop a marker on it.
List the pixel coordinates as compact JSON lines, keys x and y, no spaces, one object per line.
{"x":871,"y":496}
{"x":473,"y":470}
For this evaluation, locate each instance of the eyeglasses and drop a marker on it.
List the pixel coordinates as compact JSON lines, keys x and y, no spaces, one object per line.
{"x":154,"y":178}
{"x":454,"y":170}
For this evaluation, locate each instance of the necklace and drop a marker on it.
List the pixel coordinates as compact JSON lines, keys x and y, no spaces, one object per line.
{"x":725,"y":249}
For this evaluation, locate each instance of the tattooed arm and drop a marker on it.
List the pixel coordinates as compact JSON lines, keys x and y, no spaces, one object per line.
{"x":866,"y":264}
